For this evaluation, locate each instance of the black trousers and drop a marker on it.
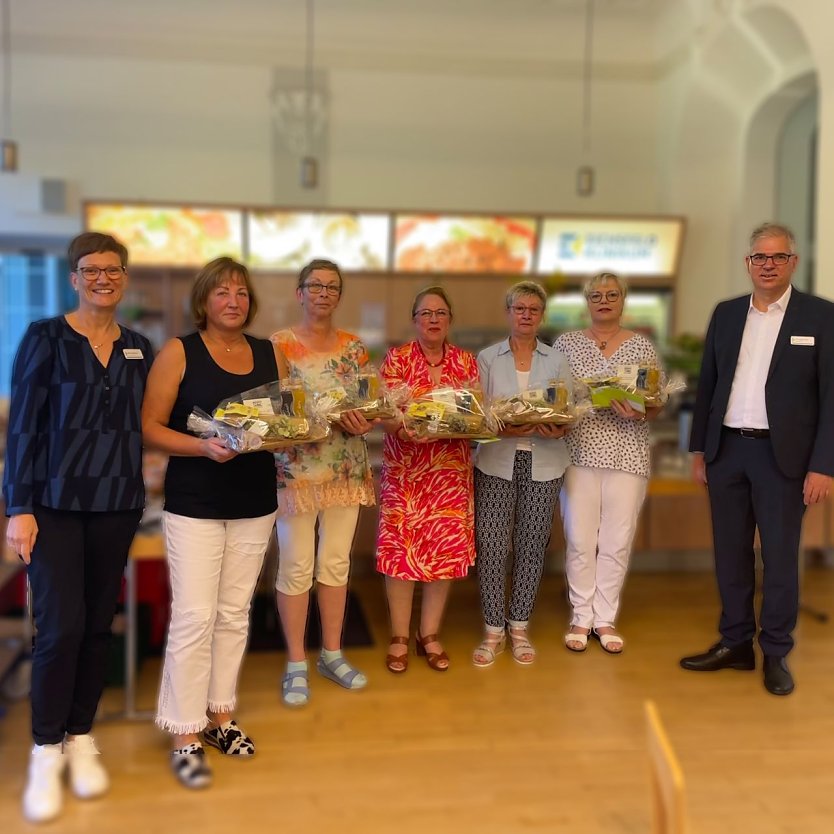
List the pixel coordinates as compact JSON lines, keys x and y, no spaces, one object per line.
{"x":75,"y":575}
{"x":747,"y":490}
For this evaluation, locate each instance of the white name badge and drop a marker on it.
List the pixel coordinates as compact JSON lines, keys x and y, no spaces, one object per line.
{"x":802,"y":340}
{"x":133,"y":353}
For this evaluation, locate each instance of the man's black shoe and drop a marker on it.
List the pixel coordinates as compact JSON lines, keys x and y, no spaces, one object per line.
{"x":721,"y":657}
{"x":777,"y":677}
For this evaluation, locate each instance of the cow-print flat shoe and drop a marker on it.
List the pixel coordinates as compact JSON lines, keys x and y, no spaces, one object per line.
{"x":228,"y":738}
{"x":190,"y":766}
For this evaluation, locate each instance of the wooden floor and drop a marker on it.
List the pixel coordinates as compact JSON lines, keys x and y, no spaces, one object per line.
{"x":556,"y":747}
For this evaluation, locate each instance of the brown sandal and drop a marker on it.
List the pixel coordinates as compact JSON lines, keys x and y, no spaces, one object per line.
{"x":397,"y":663}
{"x":432,"y":658}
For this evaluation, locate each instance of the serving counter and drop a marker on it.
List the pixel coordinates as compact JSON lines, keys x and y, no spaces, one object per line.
{"x":675,"y":517}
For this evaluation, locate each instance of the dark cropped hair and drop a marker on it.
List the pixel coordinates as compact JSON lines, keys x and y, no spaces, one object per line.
{"x":212,"y":275}
{"x":436,"y":290}
{"x":320,"y":263}
{"x":89,"y":243}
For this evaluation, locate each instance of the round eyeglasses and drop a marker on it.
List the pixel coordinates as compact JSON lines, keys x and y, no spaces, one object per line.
{"x":611,"y":295}
{"x":520,"y":310}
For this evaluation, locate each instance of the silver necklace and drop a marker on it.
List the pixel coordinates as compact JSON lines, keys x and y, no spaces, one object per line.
{"x":228,"y":348}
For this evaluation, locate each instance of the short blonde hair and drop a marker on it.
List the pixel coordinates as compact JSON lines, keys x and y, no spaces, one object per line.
{"x":592,"y":284}
{"x":522,"y":288}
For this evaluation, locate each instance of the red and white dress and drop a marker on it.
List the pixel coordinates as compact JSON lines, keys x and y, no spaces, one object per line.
{"x":426,"y":518}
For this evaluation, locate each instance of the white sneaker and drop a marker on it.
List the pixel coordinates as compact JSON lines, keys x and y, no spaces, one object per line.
{"x":87,"y":776}
{"x":43,"y":796}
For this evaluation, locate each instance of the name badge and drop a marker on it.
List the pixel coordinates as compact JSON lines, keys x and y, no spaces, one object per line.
{"x":133,"y":353}
{"x":802,"y":340}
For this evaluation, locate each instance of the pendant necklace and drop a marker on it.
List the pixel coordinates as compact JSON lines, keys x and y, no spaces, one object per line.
{"x":434,"y":364}
{"x":523,"y":361}
{"x":227,"y":348}
{"x":603,"y":343}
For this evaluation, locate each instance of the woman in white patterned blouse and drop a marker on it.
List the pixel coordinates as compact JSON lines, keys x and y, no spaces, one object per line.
{"x":606,"y":483}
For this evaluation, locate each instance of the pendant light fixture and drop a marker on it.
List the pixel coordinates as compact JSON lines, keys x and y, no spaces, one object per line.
{"x":585,"y":174}
{"x":309,"y":163}
{"x":8,"y":148}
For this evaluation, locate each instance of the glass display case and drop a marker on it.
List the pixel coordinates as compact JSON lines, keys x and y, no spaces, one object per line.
{"x":646,"y":311}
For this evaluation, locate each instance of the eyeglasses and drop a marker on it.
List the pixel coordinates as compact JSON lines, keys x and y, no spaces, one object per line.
{"x":520,"y":310}
{"x":91,"y":273}
{"x":317,"y":288}
{"x":428,"y":315}
{"x":611,"y":295}
{"x":779,"y":259}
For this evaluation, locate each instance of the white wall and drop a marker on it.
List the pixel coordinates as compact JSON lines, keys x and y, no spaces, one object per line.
{"x":747,"y":67}
{"x":190,"y":131}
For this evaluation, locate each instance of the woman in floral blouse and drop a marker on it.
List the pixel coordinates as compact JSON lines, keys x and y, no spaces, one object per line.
{"x":324,"y":483}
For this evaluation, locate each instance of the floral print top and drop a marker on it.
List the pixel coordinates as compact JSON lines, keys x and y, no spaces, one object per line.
{"x":335,"y":472}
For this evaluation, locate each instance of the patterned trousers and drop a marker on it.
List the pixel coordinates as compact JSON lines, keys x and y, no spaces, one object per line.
{"x":517,"y":512}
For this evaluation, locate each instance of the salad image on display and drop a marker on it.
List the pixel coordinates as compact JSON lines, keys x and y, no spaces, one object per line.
{"x":170,"y":236}
{"x":431,"y":243}
{"x":288,"y":240}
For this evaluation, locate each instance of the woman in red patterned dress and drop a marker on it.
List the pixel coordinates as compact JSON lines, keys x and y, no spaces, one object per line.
{"x":426,"y":519}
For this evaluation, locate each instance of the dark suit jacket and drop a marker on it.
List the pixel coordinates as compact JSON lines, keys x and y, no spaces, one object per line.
{"x":799,"y":392}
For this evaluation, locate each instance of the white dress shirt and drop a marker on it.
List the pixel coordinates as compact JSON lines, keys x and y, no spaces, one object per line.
{"x":746,"y":408}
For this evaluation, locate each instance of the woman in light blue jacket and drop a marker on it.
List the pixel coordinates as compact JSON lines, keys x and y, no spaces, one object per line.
{"x":517,"y":480}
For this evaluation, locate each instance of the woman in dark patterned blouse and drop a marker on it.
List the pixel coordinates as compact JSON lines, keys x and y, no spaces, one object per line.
{"x":606,"y":483}
{"x":73,"y":488}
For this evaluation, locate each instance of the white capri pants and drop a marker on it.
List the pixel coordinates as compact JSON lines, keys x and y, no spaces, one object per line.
{"x":600,"y":508}
{"x":213,"y":567}
{"x":297,"y":556}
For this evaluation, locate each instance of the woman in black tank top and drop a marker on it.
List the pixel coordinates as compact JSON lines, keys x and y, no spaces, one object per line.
{"x":219,"y":514}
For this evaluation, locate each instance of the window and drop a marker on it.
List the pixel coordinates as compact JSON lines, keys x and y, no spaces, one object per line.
{"x":33,"y":285}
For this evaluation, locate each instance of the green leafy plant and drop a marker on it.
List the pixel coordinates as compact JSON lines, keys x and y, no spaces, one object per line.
{"x":684,"y":354}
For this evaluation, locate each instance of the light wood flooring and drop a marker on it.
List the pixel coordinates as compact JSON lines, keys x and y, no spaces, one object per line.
{"x":555,"y":747}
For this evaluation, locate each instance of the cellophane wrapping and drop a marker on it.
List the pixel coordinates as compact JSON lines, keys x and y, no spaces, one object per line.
{"x":271,"y":416}
{"x":450,"y":412}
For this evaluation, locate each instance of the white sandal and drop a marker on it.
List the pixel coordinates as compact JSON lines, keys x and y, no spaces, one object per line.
{"x":576,"y":637}
{"x":489,"y":649}
{"x":520,"y":645}
{"x":605,"y":640}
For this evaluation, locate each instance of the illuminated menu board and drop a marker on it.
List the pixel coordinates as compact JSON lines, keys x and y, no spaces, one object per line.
{"x":584,"y":246}
{"x":170,"y":236}
{"x":289,"y":240}
{"x":465,"y":243}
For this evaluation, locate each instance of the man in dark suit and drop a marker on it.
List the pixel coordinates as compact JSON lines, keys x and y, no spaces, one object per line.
{"x":763,"y":442}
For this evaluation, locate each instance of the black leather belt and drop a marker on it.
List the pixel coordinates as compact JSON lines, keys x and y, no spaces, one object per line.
{"x":755,"y":434}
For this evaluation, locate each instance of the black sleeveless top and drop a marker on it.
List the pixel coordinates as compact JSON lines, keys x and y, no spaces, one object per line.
{"x":243,"y":487}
